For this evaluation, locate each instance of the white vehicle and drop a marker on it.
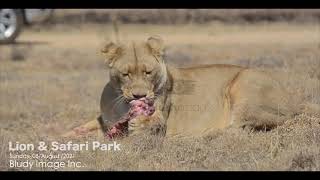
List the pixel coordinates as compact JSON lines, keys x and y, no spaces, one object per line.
{"x":13,"y":20}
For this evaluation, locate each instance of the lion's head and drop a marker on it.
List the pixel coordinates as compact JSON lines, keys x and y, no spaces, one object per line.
{"x":137,"y":69}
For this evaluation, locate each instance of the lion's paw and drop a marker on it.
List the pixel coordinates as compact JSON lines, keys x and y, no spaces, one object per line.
{"x":138,"y":125}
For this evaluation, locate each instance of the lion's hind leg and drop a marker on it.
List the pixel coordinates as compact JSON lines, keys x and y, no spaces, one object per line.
{"x":257,"y":118}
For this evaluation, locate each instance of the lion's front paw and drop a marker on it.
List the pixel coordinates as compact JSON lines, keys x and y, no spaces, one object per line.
{"x":77,"y":132}
{"x":88,"y":129}
{"x":138,"y":125}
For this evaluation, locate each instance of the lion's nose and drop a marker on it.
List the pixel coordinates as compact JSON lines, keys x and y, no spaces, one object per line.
{"x":139,"y":95}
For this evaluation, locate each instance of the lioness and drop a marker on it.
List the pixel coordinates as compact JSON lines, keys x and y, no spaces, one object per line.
{"x":189,"y":101}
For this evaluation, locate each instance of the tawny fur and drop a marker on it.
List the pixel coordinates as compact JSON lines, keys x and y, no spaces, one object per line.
{"x":191,"y":101}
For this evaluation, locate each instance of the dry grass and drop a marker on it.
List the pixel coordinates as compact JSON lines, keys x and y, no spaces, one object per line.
{"x":51,"y":81}
{"x":183,"y":16}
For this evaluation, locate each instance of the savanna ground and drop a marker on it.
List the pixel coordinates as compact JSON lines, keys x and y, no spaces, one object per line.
{"x":52,"y":79}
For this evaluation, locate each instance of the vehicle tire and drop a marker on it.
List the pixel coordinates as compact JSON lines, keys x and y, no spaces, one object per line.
{"x":11,"y":22}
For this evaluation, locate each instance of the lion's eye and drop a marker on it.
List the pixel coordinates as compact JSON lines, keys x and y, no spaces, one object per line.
{"x":125,"y":74}
{"x":148,"y":72}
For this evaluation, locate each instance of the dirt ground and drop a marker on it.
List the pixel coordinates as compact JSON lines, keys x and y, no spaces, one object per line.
{"x":52,"y":79}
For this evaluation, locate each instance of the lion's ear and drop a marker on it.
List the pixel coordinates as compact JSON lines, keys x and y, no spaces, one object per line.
{"x":156,"y":45}
{"x":111,"y":52}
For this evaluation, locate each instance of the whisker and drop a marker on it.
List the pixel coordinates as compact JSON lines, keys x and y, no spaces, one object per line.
{"x":118,"y":90}
{"x":117,"y":102}
{"x":117,"y":98}
{"x":120,"y":100}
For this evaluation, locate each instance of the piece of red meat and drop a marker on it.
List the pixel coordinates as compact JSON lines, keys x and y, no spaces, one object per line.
{"x":138,"y":107}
